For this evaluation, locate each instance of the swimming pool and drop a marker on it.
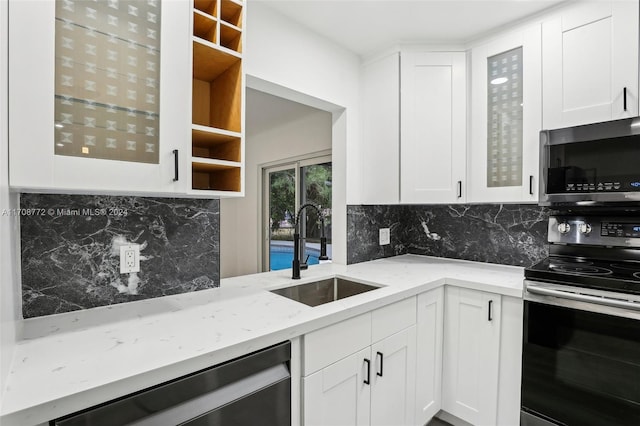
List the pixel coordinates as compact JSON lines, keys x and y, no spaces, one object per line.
{"x":281,"y":257}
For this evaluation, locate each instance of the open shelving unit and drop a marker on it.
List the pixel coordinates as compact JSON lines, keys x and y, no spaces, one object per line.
{"x":217,"y":140}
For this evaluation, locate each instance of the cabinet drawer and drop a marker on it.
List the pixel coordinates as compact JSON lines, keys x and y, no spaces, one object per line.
{"x":393,"y":318}
{"x":330,"y":344}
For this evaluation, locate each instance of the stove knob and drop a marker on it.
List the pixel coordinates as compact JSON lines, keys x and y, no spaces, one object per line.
{"x":584,"y":228}
{"x":564,"y":227}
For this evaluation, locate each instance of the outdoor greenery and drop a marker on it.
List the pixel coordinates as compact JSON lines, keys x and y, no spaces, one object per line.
{"x":317,"y":182}
{"x":282,"y":197}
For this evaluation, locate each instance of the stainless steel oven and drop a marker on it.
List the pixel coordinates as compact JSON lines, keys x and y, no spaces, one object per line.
{"x":594,"y":164}
{"x":581,"y":336}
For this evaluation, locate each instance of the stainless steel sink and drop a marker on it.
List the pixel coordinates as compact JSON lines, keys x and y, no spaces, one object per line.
{"x":324,"y":291}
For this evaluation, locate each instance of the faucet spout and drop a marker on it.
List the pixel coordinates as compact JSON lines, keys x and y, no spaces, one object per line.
{"x":295,"y":264}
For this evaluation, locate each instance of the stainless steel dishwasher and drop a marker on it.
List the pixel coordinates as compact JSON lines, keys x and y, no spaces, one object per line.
{"x":252,"y":390}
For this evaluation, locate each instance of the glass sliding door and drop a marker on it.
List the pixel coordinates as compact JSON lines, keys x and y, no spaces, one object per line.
{"x":286,"y":188}
{"x":315,"y":187}
{"x":281,"y":190}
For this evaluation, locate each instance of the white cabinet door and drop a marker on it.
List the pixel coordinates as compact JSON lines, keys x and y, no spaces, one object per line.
{"x":374,"y":385}
{"x":433,"y":127}
{"x":471,"y":355}
{"x":33,"y":164}
{"x":393,"y":379}
{"x":381,"y":130}
{"x":429,"y":330}
{"x":590,"y":60}
{"x":510,"y":361}
{"x":338,"y":395}
{"x":505,"y":118}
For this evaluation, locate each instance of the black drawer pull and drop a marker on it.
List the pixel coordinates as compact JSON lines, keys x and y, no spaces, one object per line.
{"x":490,"y":310}
{"x":624,"y":98}
{"x":459,"y":189}
{"x":367,"y":381}
{"x":531,"y":185}
{"x":379,"y":354}
{"x":175,"y":158}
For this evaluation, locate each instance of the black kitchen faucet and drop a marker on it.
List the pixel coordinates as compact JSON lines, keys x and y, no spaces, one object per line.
{"x":296,"y":240}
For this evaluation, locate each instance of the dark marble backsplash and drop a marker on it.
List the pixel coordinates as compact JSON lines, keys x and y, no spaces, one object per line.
{"x":71,"y":258}
{"x":510,"y":234}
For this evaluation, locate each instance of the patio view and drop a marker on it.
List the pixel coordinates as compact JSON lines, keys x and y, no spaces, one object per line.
{"x":305,"y":184}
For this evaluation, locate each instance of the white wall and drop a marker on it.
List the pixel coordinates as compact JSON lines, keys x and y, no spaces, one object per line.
{"x":9,"y":291}
{"x":276,"y":129}
{"x":288,"y":60}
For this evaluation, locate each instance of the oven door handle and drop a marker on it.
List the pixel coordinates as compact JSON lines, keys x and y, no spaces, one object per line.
{"x":583,"y":297}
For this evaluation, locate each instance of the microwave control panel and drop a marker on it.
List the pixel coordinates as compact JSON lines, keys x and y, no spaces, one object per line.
{"x":599,"y":187}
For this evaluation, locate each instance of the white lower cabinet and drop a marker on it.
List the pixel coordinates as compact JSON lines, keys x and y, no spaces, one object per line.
{"x":429,"y":355}
{"x":472,"y":349}
{"x":338,"y":394}
{"x":393,"y":379}
{"x":374,"y":385}
{"x":482,"y":357}
{"x":452,"y":349}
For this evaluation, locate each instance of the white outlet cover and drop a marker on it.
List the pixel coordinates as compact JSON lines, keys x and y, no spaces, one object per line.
{"x":385,"y":236}
{"x":129,"y":258}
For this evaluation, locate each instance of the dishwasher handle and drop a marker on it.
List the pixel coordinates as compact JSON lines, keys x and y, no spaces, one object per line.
{"x":213,"y":390}
{"x":215,"y":400}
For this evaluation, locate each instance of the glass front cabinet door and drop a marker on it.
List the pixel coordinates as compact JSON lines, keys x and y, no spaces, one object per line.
{"x":506,"y":118}
{"x":98,"y":96}
{"x":101,"y":96}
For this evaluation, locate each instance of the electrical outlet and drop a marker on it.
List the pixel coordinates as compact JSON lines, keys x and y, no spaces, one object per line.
{"x":385,"y":236}
{"x":129,"y":258}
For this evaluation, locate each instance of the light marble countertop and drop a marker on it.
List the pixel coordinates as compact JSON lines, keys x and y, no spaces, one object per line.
{"x":68,"y":362}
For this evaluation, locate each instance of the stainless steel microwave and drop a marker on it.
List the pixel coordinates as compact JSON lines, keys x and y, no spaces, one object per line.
{"x":591,"y":165}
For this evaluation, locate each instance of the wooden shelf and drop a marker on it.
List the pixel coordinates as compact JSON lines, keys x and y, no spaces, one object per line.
{"x":209,"y":61}
{"x":217,"y":95}
{"x":231,"y":37}
{"x":210,"y":176}
{"x":208,"y":6}
{"x":216,"y":144}
{"x":218,"y":103}
{"x":205,"y":26}
{"x":231,"y":12}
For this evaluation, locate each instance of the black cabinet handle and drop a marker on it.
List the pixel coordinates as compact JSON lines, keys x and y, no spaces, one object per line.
{"x":459,"y":189}
{"x":624,"y":98}
{"x":175,"y":158}
{"x":531,"y":185}
{"x":379,"y":354}
{"x":367,"y":381}
{"x":490,"y":316}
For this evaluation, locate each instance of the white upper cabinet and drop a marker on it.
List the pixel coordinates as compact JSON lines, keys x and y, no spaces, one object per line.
{"x":505,"y":118}
{"x":590,"y":64}
{"x":433,"y":127}
{"x":381,"y":130}
{"x":99,"y":97}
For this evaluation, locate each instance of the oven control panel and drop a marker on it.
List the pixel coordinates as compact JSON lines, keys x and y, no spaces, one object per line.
{"x":619,"y":229}
{"x":595,"y":230}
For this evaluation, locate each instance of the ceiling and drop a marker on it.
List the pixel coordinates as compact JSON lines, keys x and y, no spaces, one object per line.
{"x":367,"y":26}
